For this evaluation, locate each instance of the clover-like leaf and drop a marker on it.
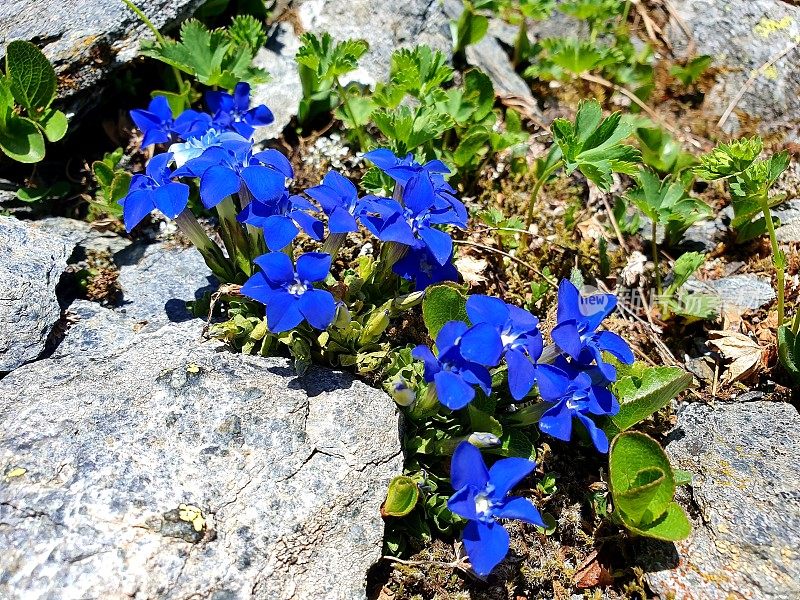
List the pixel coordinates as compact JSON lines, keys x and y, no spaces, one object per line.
{"x":594,"y":145}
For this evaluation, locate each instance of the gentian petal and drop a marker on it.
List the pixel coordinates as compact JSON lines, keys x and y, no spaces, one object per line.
{"x":382,"y":158}
{"x":171,"y":199}
{"x":276,"y":266}
{"x":216,"y":184}
{"x":136,"y":206}
{"x":449,"y":335}
{"x":568,"y":302}
{"x":598,"y":436}
{"x":521,"y":374}
{"x":482,"y":344}
{"x":439,"y":243}
{"x":486,"y":545}
{"x":313,"y":266}
{"x":283,"y":312}
{"x":567,"y":337}
{"x":557,"y":422}
{"x":318,"y":307}
{"x":520,"y":508}
{"x":552,"y":382}
{"x":279,"y":231}
{"x":508,"y":472}
{"x":277,"y":160}
{"x":341,"y":221}
{"x":609,"y":341}
{"x":487,"y":309}
{"x":241,"y":96}
{"x":259,"y":116}
{"x":432,"y":365}
{"x":258,"y":288}
{"x":264,"y":183}
{"x":452,"y":390}
{"x":467,"y":468}
{"x":463,"y":501}
{"x":313,"y":227}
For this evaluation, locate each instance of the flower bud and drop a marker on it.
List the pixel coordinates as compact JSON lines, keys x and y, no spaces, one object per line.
{"x":407,"y":301}
{"x":375,"y":326}
{"x":402,"y":394}
{"x":481,"y":439}
{"x":342,"y":318}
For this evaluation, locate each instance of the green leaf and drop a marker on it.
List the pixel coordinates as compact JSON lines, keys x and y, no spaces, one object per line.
{"x":31,"y":76}
{"x":54,"y":124}
{"x":594,"y":146}
{"x":401,"y":498}
{"x":443,"y":303}
{"x":21,"y":140}
{"x":483,"y":421}
{"x":690,"y":72}
{"x":642,"y":396}
{"x":247,"y":31}
{"x":730,"y":159}
{"x":683,"y":269}
{"x":789,"y":351}
{"x":641,"y":480}
{"x":211,"y":56}
{"x":681,"y":477}
{"x":672,"y":526}
{"x":469,"y":29}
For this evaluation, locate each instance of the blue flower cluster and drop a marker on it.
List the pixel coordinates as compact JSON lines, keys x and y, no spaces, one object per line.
{"x":573,"y":381}
{"x":215,"y":149}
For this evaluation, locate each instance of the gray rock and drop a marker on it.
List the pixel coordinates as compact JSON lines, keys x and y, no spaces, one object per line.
{"x":490,"y":57}
{"x":154,"y":465}
{"x":789,"y":215}
{"x":743,"y":36}
{"x":386,"y":26}
{"x":743,"y":292}
{"x":284,"y":92}
{"x":83,"y":235}
{"x":86,"y":39}
{"x":158,"y":279}
{"x":31,"y":265}
{"x":745,"y":497}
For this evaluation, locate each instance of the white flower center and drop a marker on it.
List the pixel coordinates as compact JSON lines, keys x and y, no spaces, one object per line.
{"x":298,"y":288}
{"x":482,"y":504}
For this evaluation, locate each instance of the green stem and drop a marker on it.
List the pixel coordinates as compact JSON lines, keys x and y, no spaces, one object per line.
{"x":362,"y":142}
{"x":796,"y":322}
{"x":257,"y":244}
{"x":211,"y":252}
{"x":657,"y":268}
{"x":159,"y":38}
{"x":535,"y":193}
{"x":777,"y":260}
{"x":234,"y":236}
{"x":333,"y":243}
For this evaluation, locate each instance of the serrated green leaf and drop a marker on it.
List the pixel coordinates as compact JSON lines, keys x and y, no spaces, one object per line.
{"x":690,"y":72}
{"x":730,"y":159}
{"x":443,"y":303}
{"x":642,"y":396}
{"x":31,"y":77}
{"x":22,"y":140}
{"x":401,"y":497}
{"x":54,"y":124}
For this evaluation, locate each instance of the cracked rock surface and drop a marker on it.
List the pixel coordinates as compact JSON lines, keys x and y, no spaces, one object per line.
{"x":150,"y":464}
{"x":743,"y":37}
{"x":86,"y":39}
{"x":745,"y":499}
{"x":31,"y":265}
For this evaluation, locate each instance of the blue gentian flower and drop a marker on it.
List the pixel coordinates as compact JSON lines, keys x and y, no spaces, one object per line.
{"x":412,"y":225}
{"x":338,"y":198}
{"x":154,"y":190}
{"x":183,"y":152}
{"x":576,"y":331}
{"x":427,"y":180}
{"x":520,"y":341}
{"x":158,"y":126}
{"x":233,"y":112}
{"x":421,"y":267}
{"x":453,"y":375}
{"x":579,"y":398}
{"x":282,"y":219}
{"x":224,"y":168}
{"x":289,"y":295}
{"x":482,"y":498}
